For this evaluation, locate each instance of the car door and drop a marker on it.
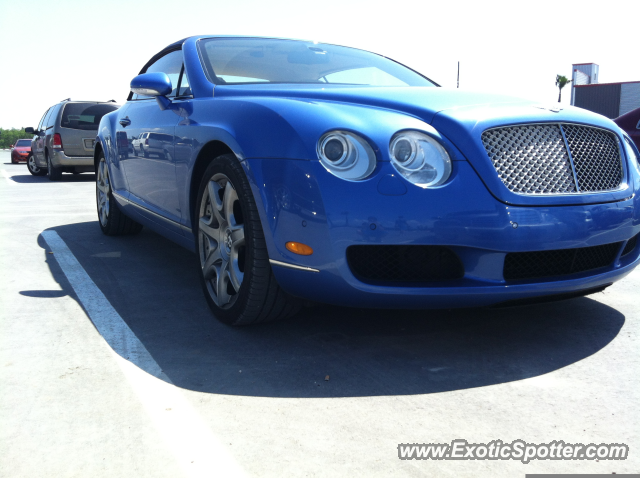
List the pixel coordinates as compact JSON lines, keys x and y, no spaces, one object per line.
{"x":150,"y":167}
{"x":185,"y":144}
{"x":37,"y":144}
{"x":48,"y":127}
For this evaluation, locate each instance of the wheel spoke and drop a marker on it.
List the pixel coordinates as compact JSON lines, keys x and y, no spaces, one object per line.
{"x":230,"y":197}
{"x":221,"y":285}
{"x":207,"y":230}
{"x":212,"y":263}
{"x":102,"y":178}
{"x":216,"y":202}
{"x":102,"y":186}
{"x":237,"y":237}
{"x":235,"y":275}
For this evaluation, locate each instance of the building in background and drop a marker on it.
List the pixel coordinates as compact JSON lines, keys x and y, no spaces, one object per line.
{"x":608,"y":99}
{"x":583,"y":74}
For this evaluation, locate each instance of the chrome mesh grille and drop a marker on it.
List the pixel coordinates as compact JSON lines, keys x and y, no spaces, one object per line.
{"x":596,"y":157}
{"x":531,"y":159}
{"x":534,"y":159}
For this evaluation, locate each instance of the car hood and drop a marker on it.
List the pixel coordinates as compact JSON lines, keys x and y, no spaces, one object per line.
{"x":458,"y":116}
{"x":422,"y":102}
{"x":470,"y":110}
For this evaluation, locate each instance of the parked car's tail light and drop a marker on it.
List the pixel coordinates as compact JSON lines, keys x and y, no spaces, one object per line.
{"x":420,"y":159}
{"x":346,"y":155}
{"x":146,"y":141}
{"x":57,"y":141}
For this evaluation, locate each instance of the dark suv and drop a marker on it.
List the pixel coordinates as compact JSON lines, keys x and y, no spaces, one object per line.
{"x":65,"y":137}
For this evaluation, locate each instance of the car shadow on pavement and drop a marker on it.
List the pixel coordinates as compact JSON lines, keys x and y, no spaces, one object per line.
{"x":66,"y":178}
{"x":153,"y":284}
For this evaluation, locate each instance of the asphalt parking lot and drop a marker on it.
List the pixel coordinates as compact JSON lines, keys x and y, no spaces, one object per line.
{"x":204,"y":399}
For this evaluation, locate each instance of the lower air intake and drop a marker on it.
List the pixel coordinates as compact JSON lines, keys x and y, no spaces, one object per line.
{"x":631,"y":245}
{"x":560,"y":262}
{"x":404,"y":263}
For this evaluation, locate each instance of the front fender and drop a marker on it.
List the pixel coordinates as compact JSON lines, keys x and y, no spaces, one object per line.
{"x":107,"y":139}
{"x":280,"y":128}
{"x":289,"y":128}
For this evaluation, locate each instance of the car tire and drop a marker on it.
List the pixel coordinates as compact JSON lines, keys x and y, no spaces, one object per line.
{"x":34,"y":168}
{"x":55,"y":174}
{"x":232,"y":256}
{"x":112,"y":221}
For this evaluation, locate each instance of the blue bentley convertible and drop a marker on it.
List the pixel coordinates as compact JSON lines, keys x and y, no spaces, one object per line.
{"x":306,"y":172}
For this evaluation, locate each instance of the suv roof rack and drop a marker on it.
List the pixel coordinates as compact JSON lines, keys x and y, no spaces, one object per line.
{"x":68,"y":99}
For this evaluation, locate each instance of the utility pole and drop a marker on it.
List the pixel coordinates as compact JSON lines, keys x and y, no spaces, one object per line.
{"x":458,"y":75}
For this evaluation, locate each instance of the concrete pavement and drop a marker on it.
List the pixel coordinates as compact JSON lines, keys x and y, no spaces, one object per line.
{"x":254,"y":400}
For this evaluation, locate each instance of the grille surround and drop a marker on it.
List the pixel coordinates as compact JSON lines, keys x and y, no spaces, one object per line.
{"x":555,"y":158}
{"x":402,"y":264}
{"x":558,"y":263}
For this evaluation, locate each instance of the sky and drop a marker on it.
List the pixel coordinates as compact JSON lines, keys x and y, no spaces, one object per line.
{"x":90,"y":50}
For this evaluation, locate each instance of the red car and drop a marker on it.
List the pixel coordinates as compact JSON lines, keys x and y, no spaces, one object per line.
{"x":21,"y":151}
{"x":630,"y":123}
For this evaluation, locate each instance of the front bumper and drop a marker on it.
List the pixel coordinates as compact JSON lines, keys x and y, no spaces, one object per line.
{"x":300,"y":201}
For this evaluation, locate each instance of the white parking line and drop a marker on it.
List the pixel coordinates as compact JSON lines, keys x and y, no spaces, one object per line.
{"x":196,"y":448}
{"x":8,"y":178}
{"x":20,"y":216}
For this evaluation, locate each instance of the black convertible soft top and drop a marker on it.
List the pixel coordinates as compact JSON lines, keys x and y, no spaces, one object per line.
{"x":168,"y":49}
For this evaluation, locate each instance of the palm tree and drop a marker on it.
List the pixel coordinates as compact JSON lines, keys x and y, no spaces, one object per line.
{"x":561,"y":82}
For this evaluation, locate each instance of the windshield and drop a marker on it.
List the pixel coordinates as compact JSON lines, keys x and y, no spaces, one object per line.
{"x":23,"y":142}
{"x":85,"y":116}
{"x":260,"y":60}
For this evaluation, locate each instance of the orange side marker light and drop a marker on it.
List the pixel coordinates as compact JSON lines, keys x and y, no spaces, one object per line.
{"x":298,"y":248}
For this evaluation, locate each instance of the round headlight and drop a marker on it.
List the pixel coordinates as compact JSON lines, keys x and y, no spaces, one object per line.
{"x":346,"y":155}
{"x":420,"y":159}
{"x":335,"y":148}
{"x":404,"y":150}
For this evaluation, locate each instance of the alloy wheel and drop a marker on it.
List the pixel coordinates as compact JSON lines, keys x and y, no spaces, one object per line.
{"x":221,"y":240}
{"x":102,"y":192}
{"x":31,"y":164}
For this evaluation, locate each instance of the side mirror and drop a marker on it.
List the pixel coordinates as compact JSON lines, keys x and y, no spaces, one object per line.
{"x":29,"y":130}
{"x":10,"y":146}
{"x":151,"y":84}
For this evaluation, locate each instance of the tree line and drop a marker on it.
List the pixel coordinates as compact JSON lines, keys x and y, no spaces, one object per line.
{"x":10,"y":136}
